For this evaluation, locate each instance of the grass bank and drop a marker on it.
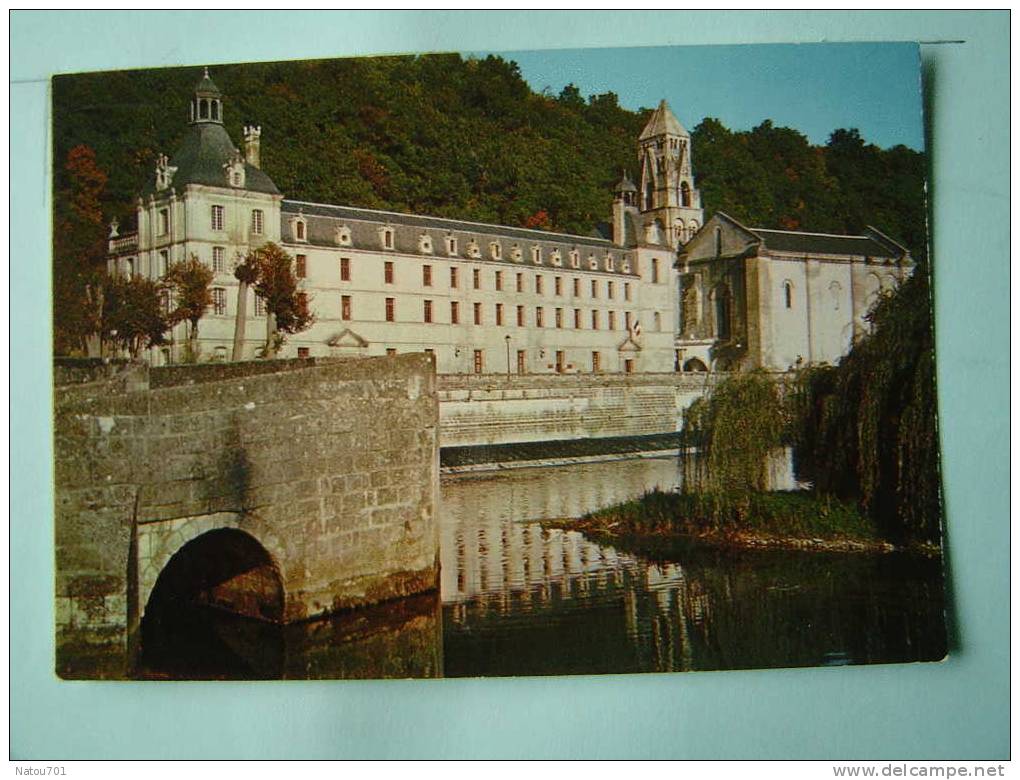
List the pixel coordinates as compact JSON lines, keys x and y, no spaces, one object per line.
{"x":785,"y":520}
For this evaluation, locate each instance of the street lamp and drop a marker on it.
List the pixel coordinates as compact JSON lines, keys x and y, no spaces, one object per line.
{"x":507,"y":338}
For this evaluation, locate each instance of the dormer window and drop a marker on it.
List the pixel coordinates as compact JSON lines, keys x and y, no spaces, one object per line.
{"x":425,"y":244}
{"x":495,"y":250}
{"x":575,"y":258}
{"x":516,"y":254}
{"x":299,"y":227}
{"x":234,"y":170}
{"x":536,"y":254}
{"x":593,"y":264}
{"x":626,"y":265}
{"x":343,"y":235}
{"x":556,"y":257}
{"x":610,"y":263}
{"x":451,"y":245}
{"x":386,"y":237}
{"x":473,"y":249}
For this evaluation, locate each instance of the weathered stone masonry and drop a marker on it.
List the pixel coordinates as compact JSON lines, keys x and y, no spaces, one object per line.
{"x":330,"y":465}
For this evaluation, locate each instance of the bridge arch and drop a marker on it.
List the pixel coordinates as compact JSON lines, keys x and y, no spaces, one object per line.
{"x":216,"y":608}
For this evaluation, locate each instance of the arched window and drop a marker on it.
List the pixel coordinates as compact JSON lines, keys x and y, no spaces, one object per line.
{"x":685,"y":194}
{"x":216,"y":109}
{"x":649,"y":192}
{"x":694,"y":364}
{"x":203,"y":109}
{"x":788,"y":294}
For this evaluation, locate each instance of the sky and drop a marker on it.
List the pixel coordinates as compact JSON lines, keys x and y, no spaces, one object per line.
{"x":813,"y":88}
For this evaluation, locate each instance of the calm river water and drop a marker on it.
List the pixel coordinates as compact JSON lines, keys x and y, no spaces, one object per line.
{"x":519,"y":599}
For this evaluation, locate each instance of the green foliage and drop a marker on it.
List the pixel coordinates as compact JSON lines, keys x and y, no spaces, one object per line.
{"x":866,"y":429}
{"x":132,"y":316}
{"x":277,"y":285}
{"x":786,"y":515}
{"x":735,"y":430}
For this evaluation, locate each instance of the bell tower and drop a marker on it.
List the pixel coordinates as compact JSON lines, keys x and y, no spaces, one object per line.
{"x":667,"y":194}
{"x":207,"y":103}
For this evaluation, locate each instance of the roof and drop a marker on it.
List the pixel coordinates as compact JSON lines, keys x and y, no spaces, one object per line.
{"x":324,"y":219}
{"x":825,"y":243}
{"x":663,"y":122}
{"x":626,"y":185}
{"x":205,"y":86}
{"x":201,"y":156}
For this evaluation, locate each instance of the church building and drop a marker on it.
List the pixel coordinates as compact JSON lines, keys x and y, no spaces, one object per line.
{"x":654,"y":291}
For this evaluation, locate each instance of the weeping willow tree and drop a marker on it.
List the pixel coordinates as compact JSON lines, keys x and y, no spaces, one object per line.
{"x":730,"y":436}
{"x":866,"y":429}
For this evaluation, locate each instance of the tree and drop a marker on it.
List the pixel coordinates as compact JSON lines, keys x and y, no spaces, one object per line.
{"x":133,"y":317}
{"x":247,"y":273}
{"x":79,"y":253}
{"x":287,"y":308}
{"x":188,"y":281}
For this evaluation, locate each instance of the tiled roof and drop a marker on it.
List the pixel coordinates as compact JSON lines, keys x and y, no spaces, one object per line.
{"x":323,"y":220}
{"x":824,"y":243}
{"x":200,"y":159}
{"x":662,"y":122}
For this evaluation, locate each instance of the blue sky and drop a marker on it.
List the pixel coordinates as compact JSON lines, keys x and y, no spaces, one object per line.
{"x":814,"y":88}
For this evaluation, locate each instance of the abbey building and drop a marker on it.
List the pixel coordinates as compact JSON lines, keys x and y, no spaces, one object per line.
{"x":657,"y":290}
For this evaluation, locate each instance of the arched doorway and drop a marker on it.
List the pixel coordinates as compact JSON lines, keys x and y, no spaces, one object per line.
{"x":695,"y":364}
{"x":215,"y":612}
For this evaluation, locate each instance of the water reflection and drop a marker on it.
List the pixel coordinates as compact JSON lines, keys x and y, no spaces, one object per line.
{"x":520,"y":599}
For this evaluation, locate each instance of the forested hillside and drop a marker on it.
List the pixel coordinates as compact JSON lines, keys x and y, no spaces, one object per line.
{"x":469,"y":138}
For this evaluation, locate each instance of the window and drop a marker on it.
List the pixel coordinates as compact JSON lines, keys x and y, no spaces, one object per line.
{"x":538,"y":317}
{"x":427,"y":314}
{"x":390,"y":306}
{"x":476,"y":279}
{"x":164,"y":222}
{"x":454,"y":312}
{"x":596,"y":362}
{"x":628,"y":366}
{"x":478,"y":313}
{"x":345,"y":269}
{"x":343,"y":235}
{"x":391,"y":351}
{"x":218,"y":257}
{"x":453,"y":277}
{"x":164,"y":261}
{"x":536,"y":254}
{"x":559,"y":318}
{"x":217,"y":217}
{"x":718,"y":241}
{"x":235,"y":178}
{"x":496,"y":250}
{"x":426,"y":275}
{"x":560,"y":361}
{"x":594,"y":319}
{"x":612,"y":320}
{"x":594,"y":288}
{"x":522,"y":362}
{"x":520,"y":316}
{"x":788,"y":294}
{"x":345,"y":307}
{"x":451,"y":245}
{"x":388,"y":272}
{"x":626,"y":320}
{"x":626,"y":291}
{"x":387,"y":238}
{"x":575,"y":259}
{"x":425,"y":244}
{"x":655,"y":270}
{"x":499,"y":280}
{"x":577,"y":319}
{"x":260,"y":306}
{"x":538,"y":284}
{"x":610,"y":290}
{"x":499,"y":313}
{"x":479,"y":363}
{"x":164,"y":301}
{"x":520,"y":282}
{"x":300,"y":266}
{"x":516,"y":254}
{"x":302,"y":352}
{"x":256,"y":225}
{"x":219,"y":300}
{"x":577,"y":287}
{"x":558,"y":285}
{"x":610,"y":263}
{"x":302,"y":300}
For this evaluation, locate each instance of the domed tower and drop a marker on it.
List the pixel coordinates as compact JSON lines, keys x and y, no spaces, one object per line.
{"x":667,"y":191}
{"x":207,"y":104}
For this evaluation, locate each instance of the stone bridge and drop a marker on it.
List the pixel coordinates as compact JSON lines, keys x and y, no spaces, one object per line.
{"x":277,"y":490}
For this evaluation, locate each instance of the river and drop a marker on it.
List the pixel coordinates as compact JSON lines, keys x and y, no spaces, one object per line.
{"x":517,"y":598}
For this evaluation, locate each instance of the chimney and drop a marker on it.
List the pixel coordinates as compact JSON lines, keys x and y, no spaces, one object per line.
{"x":252,"y":134}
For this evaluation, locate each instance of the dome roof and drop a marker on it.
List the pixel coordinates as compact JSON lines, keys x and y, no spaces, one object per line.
{"x":625,"y":184}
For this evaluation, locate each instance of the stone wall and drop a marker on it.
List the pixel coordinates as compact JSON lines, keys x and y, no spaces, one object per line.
{"x":331,"y":466}
{"x":480,"y":410}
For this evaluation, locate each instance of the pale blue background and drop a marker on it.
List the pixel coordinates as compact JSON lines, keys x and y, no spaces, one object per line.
{"x":955,"y":709}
